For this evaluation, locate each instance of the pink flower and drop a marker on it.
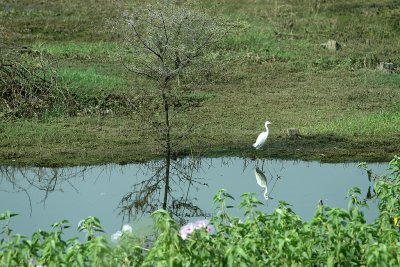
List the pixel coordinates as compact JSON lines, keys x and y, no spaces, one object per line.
{"x":189,"y":228}
{"x":210,"y":229}
{"x":201,"y":224}
{"x":186,"y":230}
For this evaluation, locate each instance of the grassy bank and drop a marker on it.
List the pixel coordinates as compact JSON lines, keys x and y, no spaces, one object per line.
{"x":275,"y":68}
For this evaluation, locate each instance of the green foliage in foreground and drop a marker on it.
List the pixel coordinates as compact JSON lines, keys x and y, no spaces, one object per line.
{"x":333,"y":237}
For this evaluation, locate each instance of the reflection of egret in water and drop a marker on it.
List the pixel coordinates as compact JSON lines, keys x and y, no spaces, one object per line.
{"x":262,"y":181}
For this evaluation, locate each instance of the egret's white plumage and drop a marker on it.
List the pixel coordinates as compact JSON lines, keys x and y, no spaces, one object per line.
{"x":262,"y":137}
{"x":261,"y":181}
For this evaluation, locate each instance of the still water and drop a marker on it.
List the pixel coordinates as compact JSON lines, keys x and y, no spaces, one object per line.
{"x":125,"y":194}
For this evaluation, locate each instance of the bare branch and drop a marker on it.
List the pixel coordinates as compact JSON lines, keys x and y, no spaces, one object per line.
{"x":174,"y":34}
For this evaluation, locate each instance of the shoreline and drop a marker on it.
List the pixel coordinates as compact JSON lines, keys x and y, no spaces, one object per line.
{"x":277,"y":148}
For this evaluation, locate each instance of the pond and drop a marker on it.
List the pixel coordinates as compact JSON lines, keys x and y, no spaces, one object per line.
{"x":119,"y":194}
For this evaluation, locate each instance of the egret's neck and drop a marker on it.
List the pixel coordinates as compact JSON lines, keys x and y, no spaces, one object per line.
{"x":266,"y":193}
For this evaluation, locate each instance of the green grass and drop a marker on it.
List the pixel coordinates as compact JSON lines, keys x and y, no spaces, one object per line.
{"x":91,"y":80}
{"x":370,"y":125}
{"x":79,"y":50}
{"x":83,"y":140}
{"x":274,"y":68}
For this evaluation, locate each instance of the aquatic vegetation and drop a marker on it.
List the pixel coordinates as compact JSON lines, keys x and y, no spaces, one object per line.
{"x":333,"y":237}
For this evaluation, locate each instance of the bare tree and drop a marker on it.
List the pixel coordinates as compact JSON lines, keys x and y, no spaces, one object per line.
{"x":161,"y":40}
{"x":164,"y":38}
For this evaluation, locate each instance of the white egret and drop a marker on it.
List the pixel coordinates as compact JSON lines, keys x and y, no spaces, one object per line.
{"x":261,"y":181}
{"x":262,"y":137}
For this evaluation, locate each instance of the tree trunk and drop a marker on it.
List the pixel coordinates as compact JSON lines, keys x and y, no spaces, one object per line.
{"x":166,"y":188}
{"x":167,"y":140}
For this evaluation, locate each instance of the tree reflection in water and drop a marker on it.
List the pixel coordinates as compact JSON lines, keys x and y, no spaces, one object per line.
{"x":159,"y":190}
{"x":48,"y":180}
{"x":173,"y":192}
{"x":168,"y":186}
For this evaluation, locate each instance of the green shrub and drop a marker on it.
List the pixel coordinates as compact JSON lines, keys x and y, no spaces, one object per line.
{"x":29,"y":86}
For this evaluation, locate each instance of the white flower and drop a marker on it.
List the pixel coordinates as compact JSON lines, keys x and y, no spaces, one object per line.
{"x":116,"y":236}
{"x":127,"y":228}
